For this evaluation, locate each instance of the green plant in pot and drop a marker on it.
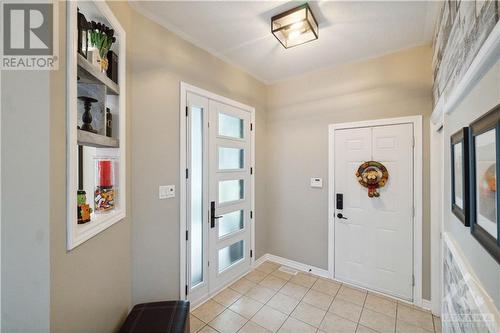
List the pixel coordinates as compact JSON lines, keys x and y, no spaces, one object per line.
{"x":102,"y":37}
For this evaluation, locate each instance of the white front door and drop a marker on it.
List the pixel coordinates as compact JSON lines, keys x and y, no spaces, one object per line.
{"x":374,"y":236}
{"x":218,"y":194}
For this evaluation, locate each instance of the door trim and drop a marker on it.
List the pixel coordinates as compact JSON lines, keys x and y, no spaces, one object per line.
{"x":184,"y":89}
{"x":417,"y":195}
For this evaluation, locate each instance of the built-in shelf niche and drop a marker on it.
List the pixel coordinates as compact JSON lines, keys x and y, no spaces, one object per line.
{"x":84,"y":148}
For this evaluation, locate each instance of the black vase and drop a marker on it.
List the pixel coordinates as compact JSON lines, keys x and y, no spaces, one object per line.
{"x":87,"y":115}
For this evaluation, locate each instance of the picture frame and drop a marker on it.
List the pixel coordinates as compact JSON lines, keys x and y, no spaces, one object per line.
{"x":485,"y":167}
{"x":460,"y":184}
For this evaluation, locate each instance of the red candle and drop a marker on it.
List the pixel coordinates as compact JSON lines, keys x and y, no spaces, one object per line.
{"x":104,"y":171}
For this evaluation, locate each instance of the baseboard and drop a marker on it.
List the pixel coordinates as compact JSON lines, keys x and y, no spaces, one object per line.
{"x":427,"y":304}
{"x":293,"y":264}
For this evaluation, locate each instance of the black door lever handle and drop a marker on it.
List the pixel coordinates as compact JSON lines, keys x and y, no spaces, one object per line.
{"x":340,"y":216}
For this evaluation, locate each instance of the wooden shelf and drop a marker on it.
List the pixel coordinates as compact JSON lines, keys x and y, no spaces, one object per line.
{"x":89,"y":73}
{"x":90,"y":139}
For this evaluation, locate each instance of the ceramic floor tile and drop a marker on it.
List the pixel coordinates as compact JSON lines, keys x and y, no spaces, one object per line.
{"x":269,"y":318}
{"x":268,"y":267}
{"x":308,"y":314}
{"x":228,"y":322}
{"x":208,"y":311}
{"x":404,"y":327}
{"x":293,"y":290}
{"x":346,"y":309}
{"x":352,"y":295}
{"x":242,"y":285}
{"x":246,"y":307}
{"x":273,"y":282}
{"x":335,"y":324}
{"x":282,"y":275}
{"x":363,"y":329}
{"x":381,"y":304}
{"x":378,"y":321}
{"x":318,"y":299}
{"x":304,"y":279}
{"x":252,"y":327}
{"x":261,"y":294}
{"x":256,"y":276}
{"x":415,"y":317}
{"x":207,"y":329}
{"x":437,"y":324}
{"x":227,"y":297}
{"x":326,"y":286}
{"x":195,"y":324}
{"x":283,"y":303}
{"x":293,"y":325}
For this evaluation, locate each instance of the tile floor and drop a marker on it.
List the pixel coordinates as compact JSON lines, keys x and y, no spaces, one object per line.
{"x":269,"y":300}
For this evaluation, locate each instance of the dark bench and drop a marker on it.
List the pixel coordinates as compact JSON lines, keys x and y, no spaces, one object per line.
{"x":158,"y":317}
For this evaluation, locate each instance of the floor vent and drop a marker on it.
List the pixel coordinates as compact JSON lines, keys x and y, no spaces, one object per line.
{"x":288,"y":270}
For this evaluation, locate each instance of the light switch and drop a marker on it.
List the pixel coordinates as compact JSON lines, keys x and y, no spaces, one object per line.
{"x":317,"y":182}
{"x":166,"y":191}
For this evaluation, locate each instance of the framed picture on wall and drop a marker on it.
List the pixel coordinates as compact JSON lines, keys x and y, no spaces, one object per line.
{"x":485,"y":166}
{"x":460,"y":190}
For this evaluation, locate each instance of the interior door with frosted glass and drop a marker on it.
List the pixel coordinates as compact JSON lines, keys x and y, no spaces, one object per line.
{"x":197,"y":196}
{"x":229,"y":193}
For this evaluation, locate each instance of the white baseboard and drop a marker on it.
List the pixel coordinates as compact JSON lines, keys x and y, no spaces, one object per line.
{"x":293,"y":264}
{"x":426,"y":304}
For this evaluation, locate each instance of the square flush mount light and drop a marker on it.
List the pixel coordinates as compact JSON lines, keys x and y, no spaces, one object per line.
{"x":295,"y":26}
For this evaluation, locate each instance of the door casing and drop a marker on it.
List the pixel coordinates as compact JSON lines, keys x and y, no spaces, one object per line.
{"x":417,"y":196}
{"x":184,"y":89}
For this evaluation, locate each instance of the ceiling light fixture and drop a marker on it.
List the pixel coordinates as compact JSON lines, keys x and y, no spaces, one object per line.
{"x":295,"y":26}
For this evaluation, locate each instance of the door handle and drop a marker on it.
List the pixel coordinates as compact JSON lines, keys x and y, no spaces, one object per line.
{"x":340,"y":216}
{"x":212,"y":215}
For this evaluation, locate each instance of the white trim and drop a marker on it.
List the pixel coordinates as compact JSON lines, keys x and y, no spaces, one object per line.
{"x":292,"y":264}
{"x":417,"y":197}
{"x":437,"y":146}
{"x":184,"y":88}
{"x":487,"y":56}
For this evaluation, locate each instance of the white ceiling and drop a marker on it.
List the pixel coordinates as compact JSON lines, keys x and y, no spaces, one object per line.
{"x":239,"y":31}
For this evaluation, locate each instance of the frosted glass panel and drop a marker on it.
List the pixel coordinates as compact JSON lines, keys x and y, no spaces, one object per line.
{"x":230,"y":190}
{"x":231,"y":222}
{"x":230,"y":158}
{"x":230,"y":126}
{"x":196,"y":194}
{"x":230,"y":255}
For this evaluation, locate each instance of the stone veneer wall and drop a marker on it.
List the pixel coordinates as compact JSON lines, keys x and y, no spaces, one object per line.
{"x":466,"y":307}
{"x":462,"y":28}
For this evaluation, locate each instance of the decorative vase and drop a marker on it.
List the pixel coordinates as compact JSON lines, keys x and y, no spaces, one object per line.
{"x":87,"y":115}
{"x":104,"y":64}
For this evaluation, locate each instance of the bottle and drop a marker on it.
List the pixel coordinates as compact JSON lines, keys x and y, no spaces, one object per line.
{"x":109,"y":123}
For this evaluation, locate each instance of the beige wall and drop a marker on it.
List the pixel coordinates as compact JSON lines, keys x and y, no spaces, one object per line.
{"x":91,"y":284}
{"x":159,"y":61}
{"x":480,"y":100}
{"x":94,"y":285}
{"x":300,"y":111}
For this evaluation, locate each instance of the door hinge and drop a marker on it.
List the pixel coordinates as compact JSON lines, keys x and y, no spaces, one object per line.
{"x":251,"y":127}
{"x":187,"y":173}
{"x":251,"y":214}
{"x":187,"y":111}
{"x":186,"y":289}
{"x":208,"y":263}
{"x":413,"y":280}
{"x":251,"y":253}
{"x":251,"y":170}
{"x":187,"y":234}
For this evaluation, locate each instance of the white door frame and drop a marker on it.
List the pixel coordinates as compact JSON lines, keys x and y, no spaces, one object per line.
{"x":417,"y":197}
{"x":184,"y":89}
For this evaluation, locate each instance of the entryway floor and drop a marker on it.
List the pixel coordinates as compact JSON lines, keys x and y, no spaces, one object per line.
{"x":270,"y":300}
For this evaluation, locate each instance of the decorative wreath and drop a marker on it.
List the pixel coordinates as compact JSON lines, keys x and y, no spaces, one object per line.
{"x":372,"y":175}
